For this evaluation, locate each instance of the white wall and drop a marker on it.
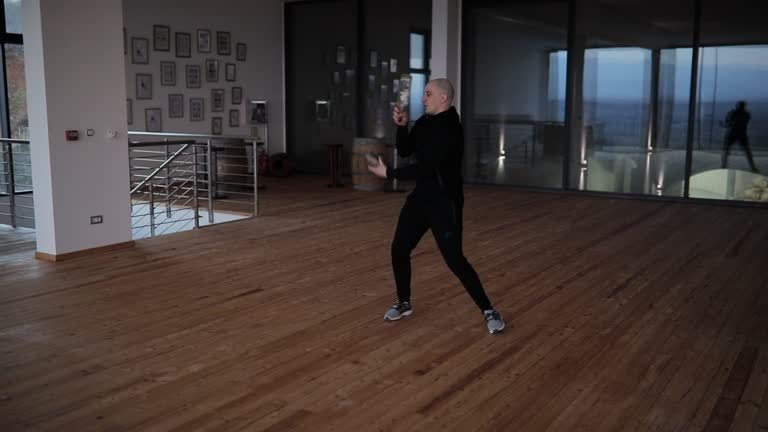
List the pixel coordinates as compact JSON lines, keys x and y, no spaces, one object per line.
{"x":258,"y":24}
{"x":75,"y":80}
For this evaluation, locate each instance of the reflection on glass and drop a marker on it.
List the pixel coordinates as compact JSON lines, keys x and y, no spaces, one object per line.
{"x":13,"y":16}
{"x":631,"y":108}
{"x":731,"y":133}
{"x":514,"y":111}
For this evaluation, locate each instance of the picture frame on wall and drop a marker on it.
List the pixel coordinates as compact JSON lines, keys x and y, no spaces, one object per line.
{"x":230,"y":72}
{"x":216,"y":125}
{"x":257,"y":112}
{"x":240,"y":52}
{"x":212,"y":70}
{"x":322,"y":110}
{"x":193,"y":76}
{"x":217,"y":100}
{"x":176,"y":105}
{"x":393,"y":65}
{"x":234,"y":118}
{"x":129,"y":110}
{"x":223,"y":43}
{"x":341,"y":55}
{"x":154,"y":119}
{"x":143,"y":86}
{"x":161,"y":37}
{"x":139,"y":50}
{"x":203,"y":41}
{"x":196,"y":109}
{"x":183,"y":45}
{"x":168,"y":73}
{"x":373,"y":59}
{"x":237,"y":95}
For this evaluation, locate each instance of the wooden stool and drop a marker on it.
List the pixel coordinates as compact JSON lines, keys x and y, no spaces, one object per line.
{"x":334,"y":164}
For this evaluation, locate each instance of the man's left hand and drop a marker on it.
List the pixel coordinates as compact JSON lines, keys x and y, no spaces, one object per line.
{"x":380,"y":170}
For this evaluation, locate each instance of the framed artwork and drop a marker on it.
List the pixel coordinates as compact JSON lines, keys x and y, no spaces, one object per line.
{"x":393,"y":65}
{"x":216,"y":125}
{"x":240,"y":54}
{"x":129,"y":110}
{"x":203,"y":41}
{"x":373,"y":60}
{"x":371,"y":83}
{"x":322,"y":110}
{"x":230,"y":72}
{"x":139,"y":50}
{"x":237,"y":95}
{"x":183,"y":45}
{"x":196,"y":109}
{"x":384,"y":68}
{"x":257,"y":112}
{"x":154,"y":119}
{"x":384,"y":92}
{"x":223,"y":46}
{"x":336,"y":77}
{"x":211,"y":70}
{"x":162,"y":37}
{"x":341,"y":54}
{"x":143,"y":86}
{"x":193,"y":76}
{"x":168,"y":73}
{"x":217,"y":100}
{"x":234,"y":118}
{"x":176,"y":105}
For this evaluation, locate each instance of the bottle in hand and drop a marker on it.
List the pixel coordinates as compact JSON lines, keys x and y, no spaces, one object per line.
{"x":372,"y":159}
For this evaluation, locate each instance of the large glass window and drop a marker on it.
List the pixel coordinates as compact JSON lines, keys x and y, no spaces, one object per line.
{"x":514,"y":92}
{"x":624,"y":86}
{"x":17,"y":93}
{"x":730,"y":145}
{"x":631,"y":106}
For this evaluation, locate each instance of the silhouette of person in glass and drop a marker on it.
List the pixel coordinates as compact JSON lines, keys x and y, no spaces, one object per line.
{"x":736,"y":123}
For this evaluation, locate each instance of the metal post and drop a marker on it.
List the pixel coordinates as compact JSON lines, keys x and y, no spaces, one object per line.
{"x":11,"y":184}
{"x":255,"y":179}
{"x":211,"y":182}
{"x":151,"y":209}
{"x":194,"y":186}
{"x":167,"y":183}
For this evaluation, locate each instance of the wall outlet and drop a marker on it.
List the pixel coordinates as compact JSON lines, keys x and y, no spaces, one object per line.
{"x":97,"y":219}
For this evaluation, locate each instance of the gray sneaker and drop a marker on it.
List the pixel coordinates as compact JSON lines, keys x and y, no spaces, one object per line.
{"x":398,"y":310}
{"x":493,"y":321}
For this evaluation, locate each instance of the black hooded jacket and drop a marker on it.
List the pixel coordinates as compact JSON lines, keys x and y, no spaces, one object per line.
{"x":438,"y":143}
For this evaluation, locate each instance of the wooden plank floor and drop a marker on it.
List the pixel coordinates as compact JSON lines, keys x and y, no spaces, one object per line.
{"x":624,"y":316}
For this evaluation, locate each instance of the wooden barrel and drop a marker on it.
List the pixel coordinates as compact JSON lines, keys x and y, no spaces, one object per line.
{"x":362,"y":179}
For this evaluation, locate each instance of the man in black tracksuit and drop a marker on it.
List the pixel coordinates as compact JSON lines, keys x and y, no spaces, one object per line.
{"x":437,"y":200}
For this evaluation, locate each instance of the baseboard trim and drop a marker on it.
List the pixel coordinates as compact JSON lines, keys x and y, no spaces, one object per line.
{"x":81,"y":253}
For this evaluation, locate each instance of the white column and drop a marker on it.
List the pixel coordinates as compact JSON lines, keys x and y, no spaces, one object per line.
{"x":446,"y":43}
{"x":75,"y":75}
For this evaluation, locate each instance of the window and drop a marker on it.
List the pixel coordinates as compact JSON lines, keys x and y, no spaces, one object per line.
{"x":419,"y":73}
{"x":13,"y":17}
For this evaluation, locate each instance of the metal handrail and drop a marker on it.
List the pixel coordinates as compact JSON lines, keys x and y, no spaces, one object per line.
{"x":160,"y":168}
{"x":8,"y":144}
{"x":173,"y":180}
{"x":14,"y":140}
